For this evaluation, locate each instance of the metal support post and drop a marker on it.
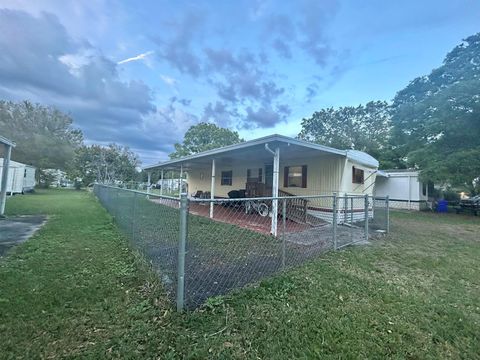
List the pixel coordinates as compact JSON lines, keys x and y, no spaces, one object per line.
{"x":133,"y":215}
{"x":366,"y":217}
{"x":117,"y":206}
{"x":387,"y":209}
{"x":351,"y":219}
{"x":181,"y":252}
{"x":6,"y":168}
{"x":276,"y":169}
{"x":161,"y":182}
{"x":149,"y":181}
{"x":351,"y":212}
{"x":334,"y":219}
{"x":180,"y":182}
{"x":212,"y":189}
{"x":284,"y":226}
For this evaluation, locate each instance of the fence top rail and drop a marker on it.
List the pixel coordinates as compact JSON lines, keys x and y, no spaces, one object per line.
{"x":265,"y":198}
{"x":140,"y":192}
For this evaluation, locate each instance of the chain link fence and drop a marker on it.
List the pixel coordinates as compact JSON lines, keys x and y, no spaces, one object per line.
{"x":207,"y":247}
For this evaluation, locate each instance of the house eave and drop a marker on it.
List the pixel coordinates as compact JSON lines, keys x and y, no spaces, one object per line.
{"x":366,"y":160}
{"x":7,"y":142}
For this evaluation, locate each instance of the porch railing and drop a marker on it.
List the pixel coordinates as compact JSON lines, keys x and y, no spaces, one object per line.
{"x":297,"y":208}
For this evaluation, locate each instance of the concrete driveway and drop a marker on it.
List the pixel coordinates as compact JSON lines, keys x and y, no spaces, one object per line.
{"x":17,"y":229}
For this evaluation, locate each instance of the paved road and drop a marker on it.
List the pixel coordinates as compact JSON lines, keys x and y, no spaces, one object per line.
{"x":15,"y":230}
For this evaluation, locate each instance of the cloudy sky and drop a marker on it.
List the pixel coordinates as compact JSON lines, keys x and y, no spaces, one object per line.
{"x":139,"y":73}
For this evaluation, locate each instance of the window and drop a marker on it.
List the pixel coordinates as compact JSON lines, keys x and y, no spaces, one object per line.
{"x":260,"y":175}
{"x":25,"y":173}
{"x":295,"y":176}
{"x":357,"y":175}
{"x":226,"y":178}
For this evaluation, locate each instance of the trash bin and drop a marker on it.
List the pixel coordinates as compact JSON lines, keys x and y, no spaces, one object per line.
{"x":442,"y":206}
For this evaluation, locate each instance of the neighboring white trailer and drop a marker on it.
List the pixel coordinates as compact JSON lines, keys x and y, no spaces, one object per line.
{"x":21,"y":177}
{"x":404,"y":189}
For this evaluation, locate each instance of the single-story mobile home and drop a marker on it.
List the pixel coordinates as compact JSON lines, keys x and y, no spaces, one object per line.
{"x":276,"y":166}
{"x":21,"y":177}
{"x":403,"y":187}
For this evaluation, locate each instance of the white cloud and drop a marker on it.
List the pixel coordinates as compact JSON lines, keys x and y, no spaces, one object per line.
{"x":168,"y":80}
{"x":136,"y":58}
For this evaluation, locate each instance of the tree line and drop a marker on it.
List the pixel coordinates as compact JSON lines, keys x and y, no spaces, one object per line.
{"x":46,"y":138}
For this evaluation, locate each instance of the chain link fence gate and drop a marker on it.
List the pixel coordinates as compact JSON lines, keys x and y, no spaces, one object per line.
{"x":206,"y":247}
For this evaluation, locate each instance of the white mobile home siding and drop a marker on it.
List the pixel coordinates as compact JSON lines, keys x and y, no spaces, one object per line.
{"x":325,"y":175}
{"x":404,"y":189}
{"x":21,"y":177}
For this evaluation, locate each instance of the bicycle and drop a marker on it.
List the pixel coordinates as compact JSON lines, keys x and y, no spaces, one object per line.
{"x":256,"y":206}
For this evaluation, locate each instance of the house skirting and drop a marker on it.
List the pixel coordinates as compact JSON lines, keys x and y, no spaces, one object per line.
{"x":327,"y":215}
{"x":408,"y":205}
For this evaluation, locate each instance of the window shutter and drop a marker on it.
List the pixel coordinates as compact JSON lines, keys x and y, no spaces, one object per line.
{"x":353,"y":174}
{"x":260,"y":175}
{"x":285,"y":176}
{"x":304,"y":176}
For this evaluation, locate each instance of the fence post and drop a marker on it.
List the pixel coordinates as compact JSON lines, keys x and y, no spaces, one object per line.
{"x":133,"y":216}
{"x":351,"y":213}
{"x":366,"y":217}
{"x":117,"y":205}
{"x":284,"y":226}
{"x":387,"y":209}
{"x":351,"y":219}
{"x":345,"y":207}
{"x":334,"y":219}
{"x":181,"y":252}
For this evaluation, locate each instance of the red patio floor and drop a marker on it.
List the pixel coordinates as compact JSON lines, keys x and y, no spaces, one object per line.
{"x":238,"y":216}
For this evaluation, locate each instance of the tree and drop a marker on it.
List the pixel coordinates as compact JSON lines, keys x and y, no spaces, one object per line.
{"x":204,"y":136}
{"x":44,"y":135}
{"x":436,"y":119}
{"x":109,"y":164}
{"x":364,"y":127}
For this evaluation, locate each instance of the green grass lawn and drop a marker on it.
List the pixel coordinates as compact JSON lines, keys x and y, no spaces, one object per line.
{"x":75,"y":290}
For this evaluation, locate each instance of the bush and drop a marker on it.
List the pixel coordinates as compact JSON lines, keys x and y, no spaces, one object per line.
{"x":451,"y":195}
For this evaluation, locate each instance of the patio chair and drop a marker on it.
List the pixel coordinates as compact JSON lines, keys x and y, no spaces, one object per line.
{"x":235,"y":194}
{"x":198,"y":195}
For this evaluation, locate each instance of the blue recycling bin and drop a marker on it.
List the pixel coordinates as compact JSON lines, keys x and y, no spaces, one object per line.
{"x":442,"y":206}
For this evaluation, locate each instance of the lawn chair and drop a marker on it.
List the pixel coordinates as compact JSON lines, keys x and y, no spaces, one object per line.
{"x":198,"y":195}
{"x":201,"y":195}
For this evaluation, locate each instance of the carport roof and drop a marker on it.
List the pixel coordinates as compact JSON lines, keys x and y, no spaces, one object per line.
{"x":355,"y":155}
{"x":5,"y":141}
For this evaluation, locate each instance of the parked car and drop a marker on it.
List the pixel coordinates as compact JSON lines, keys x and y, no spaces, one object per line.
{"x":472,"y":204}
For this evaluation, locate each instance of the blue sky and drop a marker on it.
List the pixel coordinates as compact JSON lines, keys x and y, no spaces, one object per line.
{"x":140,"y":73}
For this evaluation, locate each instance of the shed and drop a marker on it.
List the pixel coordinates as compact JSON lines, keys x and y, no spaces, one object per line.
{"x":20,"y":178}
